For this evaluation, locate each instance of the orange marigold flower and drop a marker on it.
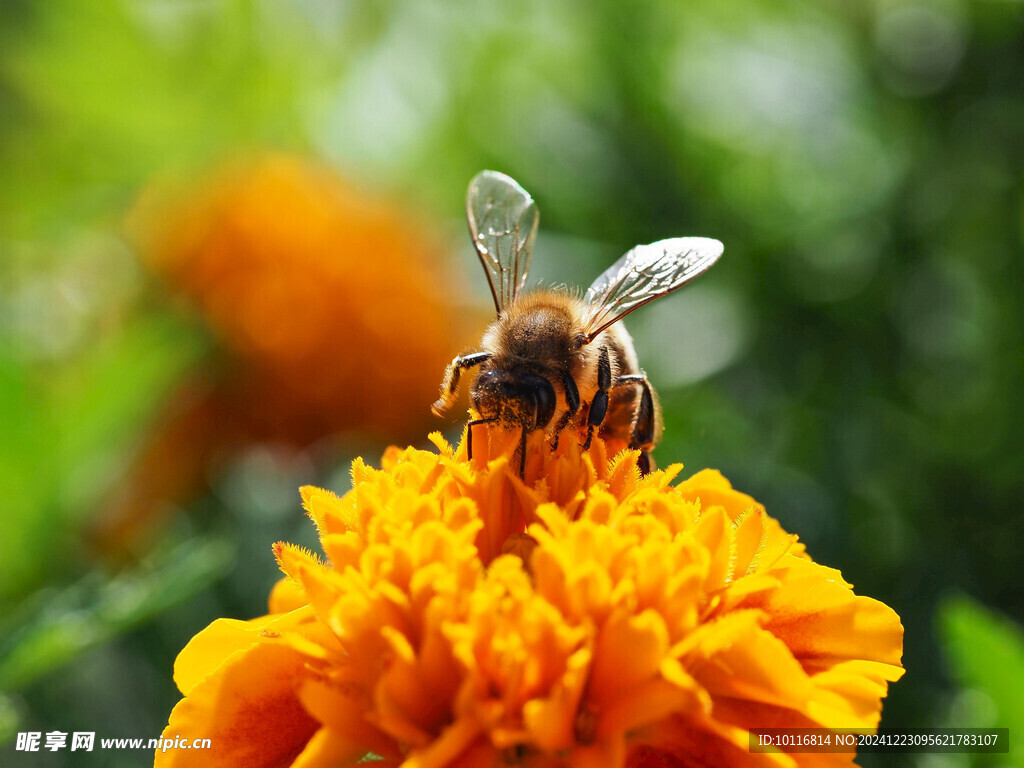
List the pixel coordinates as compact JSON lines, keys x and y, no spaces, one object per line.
{"x":581,"y":616}
{"x":274,"y":250}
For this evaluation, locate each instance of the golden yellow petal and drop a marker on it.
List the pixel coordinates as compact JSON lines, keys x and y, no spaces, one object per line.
{"x":712,"y":531}
{"x":343,"y":549}
{"x":325,"y":509}
{"x":343,"y":709}
{"x":823,"y":622}
{"x":739,"y":659}
{"x":712,"y":489}
{"x":623,"y":474}
{"x":628,"y":652}
{"x":286,"y":596}
{"x":850,"y":693}
{"x":319,"y":582}
{"x":330,"y":749}
{"x":749,"y":536}
{"x":646,"y":703}
{"x":404,"y":695}
{"x":443,"y":751}
{"x":212,"y":647}
{"x":551,"y":720}
{"x":249,"y":710}
{"x":732,"y":716}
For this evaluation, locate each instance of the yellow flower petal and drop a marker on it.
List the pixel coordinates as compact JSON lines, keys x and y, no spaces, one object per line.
{"x":286,"y":596}
{"x":329,"y":749}
{"x":342,"y":710}
{"x":447,"y":748}
{"x":823,"y":622}
{"x":248,"y":708}
{"x":628,"y":653}
{"x":208,"y":650}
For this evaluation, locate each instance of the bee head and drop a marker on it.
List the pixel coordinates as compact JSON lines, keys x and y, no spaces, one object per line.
{"x":526,"y":399}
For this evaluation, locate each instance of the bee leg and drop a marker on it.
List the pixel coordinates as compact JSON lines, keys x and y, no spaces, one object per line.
{"x":599,"y":405}
{"x":451,"y":379}
{"x":572,"y":401}
{"x":644,"y":463}
{"x":469,"y":434}
{"x":644,"y":425}
{"x":522,"y":453}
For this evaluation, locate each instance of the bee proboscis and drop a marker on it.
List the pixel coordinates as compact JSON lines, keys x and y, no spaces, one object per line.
{"x":551,"y":360}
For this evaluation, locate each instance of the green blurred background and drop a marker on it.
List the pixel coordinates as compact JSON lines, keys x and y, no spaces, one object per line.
{"x":855,"y":361}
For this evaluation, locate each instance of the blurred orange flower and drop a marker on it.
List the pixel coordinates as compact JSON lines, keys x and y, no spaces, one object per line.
{"x":311,"y":287}
{"x":644,"y":624}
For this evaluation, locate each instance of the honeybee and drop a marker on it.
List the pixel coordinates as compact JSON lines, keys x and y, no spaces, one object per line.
{"x":551,"y":360}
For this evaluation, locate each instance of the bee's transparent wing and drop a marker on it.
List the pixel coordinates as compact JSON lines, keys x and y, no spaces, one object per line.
{"x":503,"y":224}
{"x":644,"y":274}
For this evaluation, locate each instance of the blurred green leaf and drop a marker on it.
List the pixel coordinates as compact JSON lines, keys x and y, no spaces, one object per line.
{"x":986,"y":652}
{"x":106,"y":93}
{"x":71,"y":621}
{"x":9,"y":719}
{"x":68,"y":428}
{"x":101,"y":399}
{"x":26,"y":499}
